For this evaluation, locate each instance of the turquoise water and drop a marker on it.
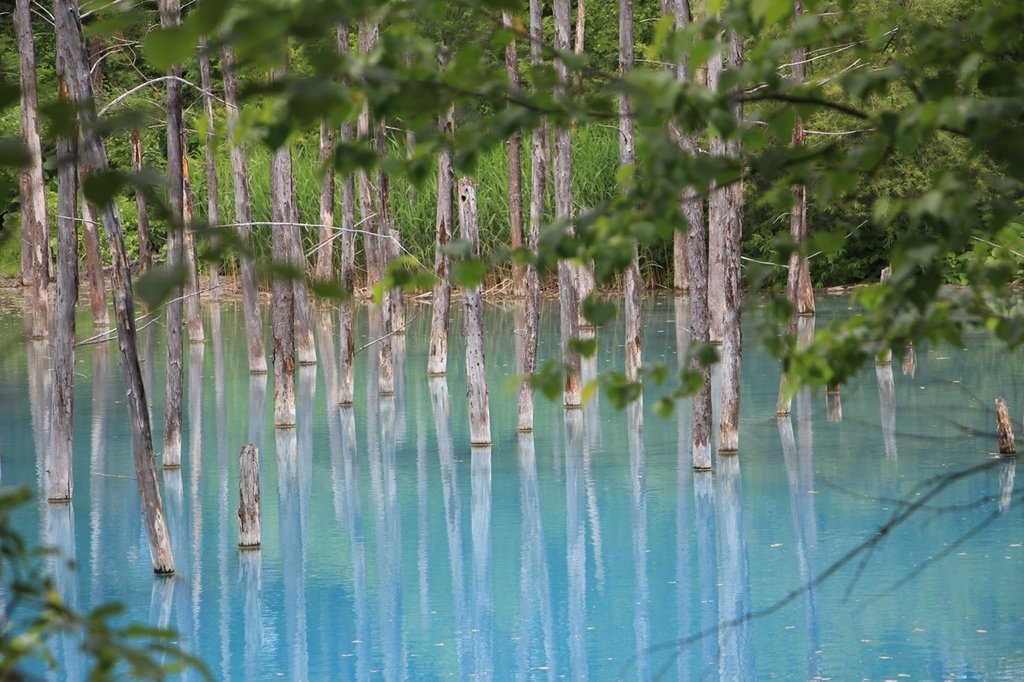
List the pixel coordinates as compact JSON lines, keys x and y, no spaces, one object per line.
{"x":589,"y":549}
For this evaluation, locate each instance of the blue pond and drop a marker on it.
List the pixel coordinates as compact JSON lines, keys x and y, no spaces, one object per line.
{"x":393,"y":550}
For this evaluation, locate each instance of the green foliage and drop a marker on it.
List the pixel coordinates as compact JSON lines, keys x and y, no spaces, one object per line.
{"x":34,"y":614}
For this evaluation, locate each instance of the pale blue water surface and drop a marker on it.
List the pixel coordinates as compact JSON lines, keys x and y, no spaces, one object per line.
{"x":589,"y":549}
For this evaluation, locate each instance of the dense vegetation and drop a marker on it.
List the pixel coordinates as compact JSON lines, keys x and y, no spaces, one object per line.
{"x":841,"y":217}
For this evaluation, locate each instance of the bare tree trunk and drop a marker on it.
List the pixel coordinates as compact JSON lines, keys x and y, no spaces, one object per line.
{"x":391,"y":317}
{"x":515,"y":164}
{"x":798,"y":282}
{"x":348,"y":262}
{"x":249,"y":530}
{"x":59,"y":480}
{"x":729,"y":428}
{"x":282,"y":315}
{"x":578,"y":43}
{"x":437,"y":358}
{"x":697,"y":269}
{"x":71,"y":48}
{"x":680,"y":9}
{"x":35,"y":233}
{"x":94,"y":261}
{"x":476,"y":369}
{"x":193,"y":304}
{"x":141,"y":204}
{"x":305,"y":345}
{"x":718,"y":200}
{"x":567,"y":280}
{"x":243,"y":219}
{"x":170,"y":11}
{"x":368,"y":203}
{"x":210,"y":162}
{"x":325,"y":254}
{"x":627,"y":157}
{"x":538,"y":186}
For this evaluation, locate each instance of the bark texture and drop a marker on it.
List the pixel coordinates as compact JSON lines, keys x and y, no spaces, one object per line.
{"x":193,"y":303}
{"x":142,"y":207}
{"x":210,"y":162}
{"x":325,"y":247}
{"x":243,"y":219}
{"x":71,"y":48}
{"x":437,"y":357}
{"x":627,"y":157}
{"x":282,"y":313}
{"x":568,"y":295}
{"x":476,"y":369}
{"x":249,"y":530}
{"x":35,"y":233}
{"x":515,"y":164}
{"x":346,"y":351}
{"x":93,"y":260}
{"x":798,"y":282}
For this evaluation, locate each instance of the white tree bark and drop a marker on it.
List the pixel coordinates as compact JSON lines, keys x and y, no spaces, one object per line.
{"x":346,"y":351}
{"x":476,"y":370}
{"x":243,"y":219}
{"x":210,"y":161}
{"x":627,"y":157}
{"x":437,"y":357}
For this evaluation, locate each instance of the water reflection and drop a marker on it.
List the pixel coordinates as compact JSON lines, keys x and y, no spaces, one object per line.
{"x":1007,"y":472}
{"x":224,"y":515}
{"x":483,"y":596}
{"x":887,"y":407}
{"x":196,"y":355}
{"x":576,"y":543}
{"x":389,"y":540}
{"x":535,"y":624}
{"x":736,"y":652}
{"x":707,"y":569}
{"x":638,"y":517}
{"x":98,"y":465}
{"x":452,"y":515}
{"x":40,"y":396}
{"x":59,"y":535}
{"x":292,"y":548}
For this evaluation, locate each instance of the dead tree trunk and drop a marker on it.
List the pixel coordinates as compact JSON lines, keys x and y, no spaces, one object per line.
{"x":210,"y":162}
{"x":249,"y":531}
{"x":368,"y":34}
{"x":35,"y":233}
{"x":59,"y":486}
{"x":476,"y":369}
{"x":243,"y":219}
{"x":305,"y":345}
{"x":515,"y":164}
{"x":538,"y":188}
{"x":698,"y":280}
{"x":93,"y":260}
{"x":798,"y":282}
{"x":578,"y":43}
{"x":282,"y":313}
{"x":142,"y":208}
{"x":568,"y":295}
{"x":680,"y":10}
{"x":348,"y":262}
{"x":391,"y":320}
{"x":193,"y":304}
{"x":729,"y":428}
{"x":627,"y":157}
{"x":71,"y":48}
{"x":170,"y":11}
{"x":325,"y":246}
{"x":437,"y":358}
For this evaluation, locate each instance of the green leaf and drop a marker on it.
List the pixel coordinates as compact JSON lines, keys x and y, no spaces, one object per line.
{"x":100,"y":188}
{"x":469,"y":273}
{"x":157,"y":284}
{"x":166,"y":47}
{"x":585,"y":347}
{"x":598,"y":312}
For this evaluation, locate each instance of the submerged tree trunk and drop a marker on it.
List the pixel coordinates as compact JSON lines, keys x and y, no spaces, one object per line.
{"x":538,"y":187}
{"x":567,"y":280}
{"x":798,"y":282}
{"x":305,"y":345}
{"x":348,"y":262}
{"x":142,"y":207}
{"x":718,"y":200}
{"x":210,"y":163}
{"x":282,"y":314}
{"x":93,"y":260}
{"x":515,"y":164}
{"x":243,"y":220}
{"x":437,"y":357}
{"x":170,"y":11}
{"x":35,"y":233}
{"x":476,"y":369}
{"x":627,"y":157}
{"x":63,"y":348}
{"x":325,"y":246}
{"x":71,"y":48}
{"x":729,"y":428}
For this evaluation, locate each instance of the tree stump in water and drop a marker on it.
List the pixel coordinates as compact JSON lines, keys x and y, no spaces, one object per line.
{"x":1007,"y":444}
{"x":833,"y":404}
{"x":249,"y":531}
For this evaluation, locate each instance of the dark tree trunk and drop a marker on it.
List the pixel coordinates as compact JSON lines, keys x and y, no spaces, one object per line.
{"x":243,"y":220}
{"x":35,"y":233}
{"x":141,"y":204}
{"x":71,"y":49}
{"x":94,"y":261}
{"x":210,"y":162}
{"x":170,"y":11}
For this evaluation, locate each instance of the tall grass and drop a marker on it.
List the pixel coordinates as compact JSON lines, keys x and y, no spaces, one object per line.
{"x":595,"y":160}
